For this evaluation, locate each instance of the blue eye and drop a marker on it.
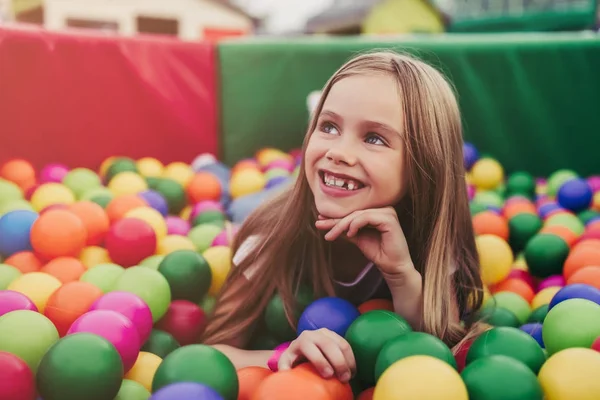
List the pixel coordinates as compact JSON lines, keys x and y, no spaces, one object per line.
{"x":328,"y":128}
{"x":374,"y":139}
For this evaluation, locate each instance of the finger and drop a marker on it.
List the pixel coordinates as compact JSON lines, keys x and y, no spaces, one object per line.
{"x":345,"y":349}
{"x":379,"y":221}
{"x":314,"y":354}
{"x":326,"y":223}
{"x":333,"y":353}
{"x":341,"y":226}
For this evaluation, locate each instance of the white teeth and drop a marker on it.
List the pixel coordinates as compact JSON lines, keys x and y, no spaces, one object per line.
{"x":339,"y":182}
{"x":347,"y":184}
{"x":350,"y":185}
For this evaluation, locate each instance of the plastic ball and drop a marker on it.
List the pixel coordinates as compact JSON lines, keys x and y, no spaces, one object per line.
{"x":186,"y":390}
{"x":275,"y":315}
{"x":127,"y":182}
{"x":219,"y":261}
{"x":15,"y":228}
{"x":203,"y":160}
{"x":575,"y":195}
{"x":152,"y":217}
{"x":179,"y":172}
{"x":576,"y":291}
{"x":522,"y":228}
{"x":65,"y":269}
{"x":8,"y":274}
{"x":376,"y":304}
{"x":551,"y":281}
{"x":9,"y":192}
{"x":420,"y":377}
{"x":250,"y":378}
{"x":94,"y":255}
{"x":188,"y":274}
{"x":131,"y":390}
{"x":510,"y":342}
{"x":545,"y":255}
{"x":201,"y":364}
{"x":184,"y":320}
{"x":582,"y":256}
{"x":586,"y":275}
{"x":521,"y":183}
{"x":69,"y":302}
{"x":28,"y":335}
{"x":173,"y":192}
{"x":67,"y":373}
{"x":25,"y":262}
{"x":487,"y":173}
{"x":567,"y":220}
{"x":557,"y":179}
{"x":130,"y":306}
{"x":486,"y":379}
{"x":203,"y":235}
{"x":156,"y":201}
{"x":297,"y":385}
{"x":13,"y":301}
{"x":129,"y":241}
{"x":512,"y":302}
{"x":177,"y":226}
{"x":103,"y":276}
{"x":572,"y":323}
{"x":488,"y":222}
{"x":334,"y":387}
{"x":571,"y":374}
{"x":116,"y":166}
{"x":144,"y":369}
{"x":205,"y":205}
{"x":121,"y":205}
{"x":488,"y":199}
{"x":535,"y":330}
{"x":520,"y":287}
{"x":152,"y":261}
{"x":150,"y":285}
{"x":246,"y":182}
{"x":499,"y":317}
{"x":538,"y":314}
{"x":226,"y":237}
{"x":18,"y":382}
{"x":214,"y":217}
{"x":160,"y":343}
{"x":94,"y":219}
{"x":333,"y":313}
{"x":58,"y":233}
{"x":53,"y":173}
{"x":51,"y":193}
{"x":37,"y":286}
{"x":496,"y":258}
{"x":80,"y":180}
{"x":368,"y":334}
{"x":172,"y":243}
{"x":114,"y":327}
{"x":208,"y":304}
{"x":203,"y":186}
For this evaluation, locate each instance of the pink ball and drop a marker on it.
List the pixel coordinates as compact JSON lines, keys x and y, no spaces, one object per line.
{"x":14,"y":301}
{"x":471,"y":191}
{"x":225,"y":238}
{"x":554,"y":280}
{"x":131,"y":306}
{"x":281,"y":163}
{"x":516,"y":199}
{"x":596,"y":344}
{"x":594,"y":182}
{"x":522,"y":275}
{"x":177,"y":226}
{"x":205,"y":205}
{"x":114,"y":327}
{"x":53,"y":173}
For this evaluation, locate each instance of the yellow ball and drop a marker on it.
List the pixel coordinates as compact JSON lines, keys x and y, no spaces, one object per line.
{"x":150,"y":167}
{"x":544,"y":297}
{"x":520,"y":263}
{"x":106,"y":165}
{"x":268,"y":155}
{"x":246,"y":181}
{"x":179,"y":172}
{"x":38,"y":286}
{"x":571,"y":374}
{"x":596,"y":202}
{"x":51,"y":193}
{"x":152,"y":217}
{"x":186,"y":213}
{"x":420,"y":377}
{"x":495,"y":257}
{"x":219,"y":261}
{"x":487,"y":174}
{"x":144,"y":369}
{"x":126,"y":183}
{"x":171,"y":243}
{"x":94,"y":255}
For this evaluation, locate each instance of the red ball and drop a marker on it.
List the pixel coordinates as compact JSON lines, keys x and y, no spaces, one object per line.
{"x":17,"y":382}
{"x":596,"y":344}
{"x":184,"y":320}
{"x":129,"y":241}
{"x":461,"y":355}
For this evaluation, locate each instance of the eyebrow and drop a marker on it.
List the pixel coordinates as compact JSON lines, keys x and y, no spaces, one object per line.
{"x":371,"y":124}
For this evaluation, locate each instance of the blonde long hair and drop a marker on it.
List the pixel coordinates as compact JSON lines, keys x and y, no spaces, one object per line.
{"x":434,"y":216}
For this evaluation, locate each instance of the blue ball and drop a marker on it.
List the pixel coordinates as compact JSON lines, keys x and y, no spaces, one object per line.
{"x":535,"y":331}
{"x":187,"y":391}
{"x":575,"y":195}
{"x":332,"y":313}
{"x":276,"y":181}
{"x":547,"y":208}
{"x":15,"y":228}
{"x":470,"y":155}
{"x":575,"y":291}
{"x":156,"y":201}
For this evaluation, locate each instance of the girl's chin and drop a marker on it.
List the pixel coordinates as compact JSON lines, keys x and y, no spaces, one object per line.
{"x":333,"y":212}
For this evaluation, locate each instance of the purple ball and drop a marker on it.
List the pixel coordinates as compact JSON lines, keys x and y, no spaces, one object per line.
{"x":15,"y":301}
{"x":276,"y":181}
{"x":545,"y":209}
{"x":576,"y":291}
{"x":53,"y":173}
{"x":187,"y":391}
{"x":131,"y":306}
{"x":535,"y":331}
{"x":156,"y":201}
{"x":575,"y":195}
{"x":594,"y":182}
{"x":333,"y":313}
{"x":205,"y":205}
{"x":470,"y":155}
{"x":554,"y":280}
{"x":177,"y":226}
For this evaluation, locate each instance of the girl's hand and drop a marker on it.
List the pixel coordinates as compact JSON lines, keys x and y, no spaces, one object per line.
{"x":327,"y":351}
{"x":378,"y":234}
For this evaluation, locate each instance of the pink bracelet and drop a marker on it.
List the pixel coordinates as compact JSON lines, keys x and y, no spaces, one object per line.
{"x":274,"y":360}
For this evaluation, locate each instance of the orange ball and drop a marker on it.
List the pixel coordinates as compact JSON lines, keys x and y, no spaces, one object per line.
{"x":289,"y":385}
{"x":337,"y":390}
{"x":520,"y":207}
{"x":376,"y":304}
{"x":66,"y":269}
{"x":25,"y":261}
{"x":249,"y":379}
{"x":58,"y":233}
{"x":587,"y":243}
{"x":69,"y":302}
{"x":366,"y":395}
{"x":582,"y":257}
{"x":204,"y":186}
{"x":121,"y":205}
{"x":587,"y":275}
{"x":95,"y":220}
{"x":488,"y":222}
{"x":20,"y":172}
{"x":517,"y":286}
{"x":563,"y":232}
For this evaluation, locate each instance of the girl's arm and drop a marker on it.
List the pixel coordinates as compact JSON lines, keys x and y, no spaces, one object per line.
{"x":407,"y":297}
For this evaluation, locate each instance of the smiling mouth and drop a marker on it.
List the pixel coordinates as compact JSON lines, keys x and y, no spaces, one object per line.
{"x":340,"y":182}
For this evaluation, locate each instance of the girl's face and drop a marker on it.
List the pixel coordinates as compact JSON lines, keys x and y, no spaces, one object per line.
{"x":355,"y":156}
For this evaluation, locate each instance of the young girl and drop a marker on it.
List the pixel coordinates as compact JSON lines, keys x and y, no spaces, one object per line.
{"x":379,"y":208}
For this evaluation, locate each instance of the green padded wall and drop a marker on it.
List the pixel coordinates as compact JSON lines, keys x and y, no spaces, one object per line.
{"x":531,"y":101}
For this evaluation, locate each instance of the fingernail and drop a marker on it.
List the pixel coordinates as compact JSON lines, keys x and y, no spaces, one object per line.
{"x":345,"y":377}
{"x":327,"y":372}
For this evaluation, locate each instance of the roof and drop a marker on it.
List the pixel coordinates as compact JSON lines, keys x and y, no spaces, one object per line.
{"x":342,"y":14}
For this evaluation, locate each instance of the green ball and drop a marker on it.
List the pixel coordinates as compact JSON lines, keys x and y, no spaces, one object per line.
{"x":28,"y":335}
{"x":95,"y":192}
{"x":539,"y":314}
{"x":586,"y":216}
{"x":545,"y":255}
{"x":202,"y":236}
{"x":207,"y":304}
{"x":8,"y":273}
{"x":501,"y":378}
{"x":508,"y":341}
{"x":571,"y":323}
{"x":202,"y":364}
{"x":102,"y":200}
{"x":489,"y":199}
{"x":521,"y":183}
{"x":521,"y":228}
{"x":264,"y":342}
{"x":557,"y":178}
{"x":567,"y":220}
{"x":9,"y":192}
{"x":173,"y":193}
{"x":153,"y":261}
{"x":512,"y":302}
{"x":160,"y":343}
{"x":81,"y":180}
{"x":80,"y":366}
{"x":103,"y":276}
{"x":15,"y":205}
{"x":412,"y":344}
{"x":276,"y":172}
{"x":121,"y":164}
{"x":188,"y":274}
{"x":499,"y":317}
{"x":213,"y":217}
{"x":150,"y":285}
{"x":275,"y":318}
{"x":477,"y":208}
{"x":131,"y":390}
{"x":368,"y":334}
